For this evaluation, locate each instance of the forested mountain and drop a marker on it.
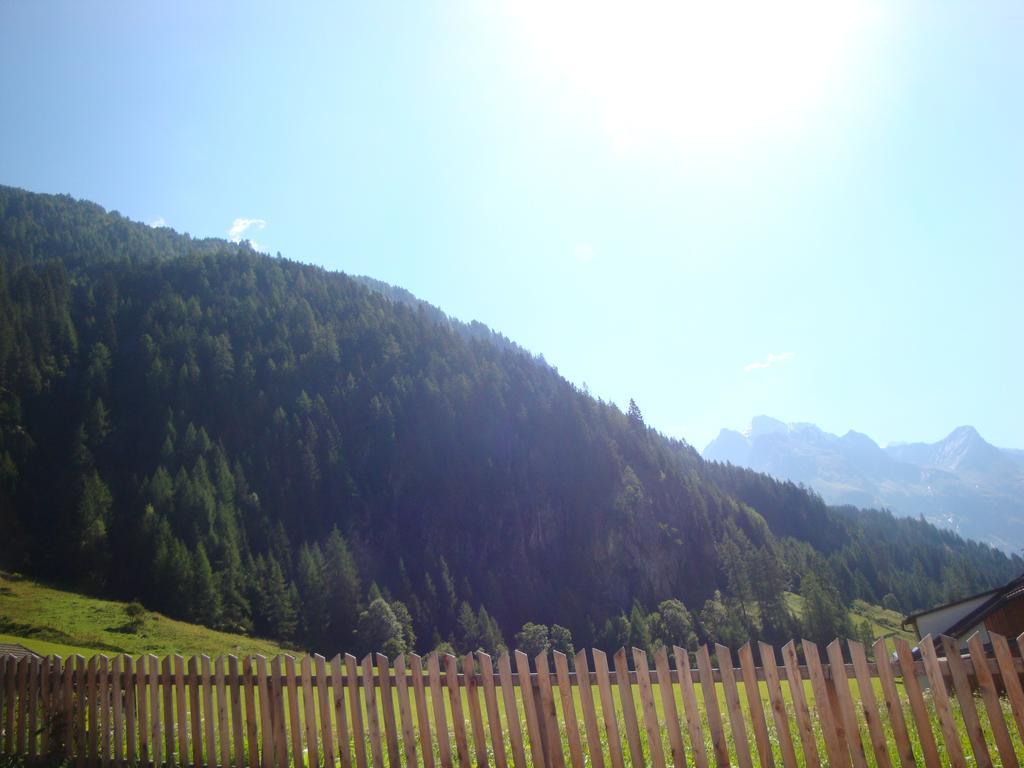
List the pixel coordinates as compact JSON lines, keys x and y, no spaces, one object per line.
{"x":960,"y":482}
{"x":263,"y":445}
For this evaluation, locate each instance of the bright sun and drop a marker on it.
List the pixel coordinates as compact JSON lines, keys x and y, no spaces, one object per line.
{"x":696,"y":73}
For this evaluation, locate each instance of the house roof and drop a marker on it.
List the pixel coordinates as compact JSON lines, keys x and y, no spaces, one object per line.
{"x":997,"y":598}
{"x":17,"y":651}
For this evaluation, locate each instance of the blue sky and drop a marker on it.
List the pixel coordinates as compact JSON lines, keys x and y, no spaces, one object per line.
{"x":812,"y":210}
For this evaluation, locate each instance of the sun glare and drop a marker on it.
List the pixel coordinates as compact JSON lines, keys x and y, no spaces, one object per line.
{"x":696,"y":73}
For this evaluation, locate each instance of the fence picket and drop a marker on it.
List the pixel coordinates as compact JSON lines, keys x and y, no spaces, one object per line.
{"x":372,"y":720}
{"x":968,"y":709}
{"x":990,"y":697}
{"x":195,"y":713}
{"x":387,"y":702}
{"x":515,"y":724}
{"x":755,"y":706}
{"x":473,"y":704}
{"x":636,"y":753}
{"x":309,"y":711}
{"x":422,"y":713}
{"x":655,"y":751}
{"x":451,"y":673}
{"x":808,"y":744}
{"x":915,"y":696}
{"x":893,"y":705}
{"x":340,"y":720}
{"x":850,"y":734}
{"x":252,"y":731}
{"x":356,"y":708}
{"x":1011,"y":681}
{"x":184,"y":742}
{"x":324,"y":701}
{"x":838,"y":755}
{"x":941,"y":700}
{"x":732,"y":701}
{"x":778,"y":704}
{"x":869,"y":704}
{"x":92,"y":713}
{"x":530,"y":708}
{"x":33,"y":704}
{"x":155,"y":724}
{"x":586,"y":693}
{"x":571,"y":724}
{"x":209,"y":713}
{"x":168,"y":705}
{"x":440,"y":720}
{"x":45,"y":704}
{"x":235,"y":697}
{"x":546,"y":713}
{"x":690,"y":709}
{"x":129,"y":708}
{"x":491,"y":704}
{"x":268,"y":749}
{"x":711,"y":709}
{"x":668,"y":707}
{"x":404,"y":713}
{"x":611,"y":723}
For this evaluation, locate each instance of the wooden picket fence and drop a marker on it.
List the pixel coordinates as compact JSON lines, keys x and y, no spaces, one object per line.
{"x":255,"y":713}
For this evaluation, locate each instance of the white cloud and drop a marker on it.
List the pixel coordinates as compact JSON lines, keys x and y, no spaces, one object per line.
{"x":158,"y":222}
{"x":239,"y":226}
{"x":584,"y":252}
{"x":769,"y":361}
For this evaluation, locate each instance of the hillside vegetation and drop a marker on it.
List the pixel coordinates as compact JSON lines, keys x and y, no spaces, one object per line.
{"x":263,"y":446}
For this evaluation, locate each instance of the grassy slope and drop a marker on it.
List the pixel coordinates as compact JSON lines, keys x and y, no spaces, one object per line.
{"x":49,"y":620}
{"x":883,"y":623}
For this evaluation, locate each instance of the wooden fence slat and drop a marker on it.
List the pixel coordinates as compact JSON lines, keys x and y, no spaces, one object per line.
{"x":91,"y":704}
{"x":893,"y":705}
{"x":451,"y":671}
{"x":130,"y":690}
{"x":755,"y":706}
{"x":808,"y":744}
{"x":10,"y":675}
{"x":515,"y":724}
{"x":711,"y":709}
{"x":732,"y":701}
{"x":209,"y":713}
{"x":356,"y":709}
{"x":325,"y":702}
{"x":33,"y":705}
{"x":629,"y":719}
{"x":491,"y":703}
{"x":195,"y":712}
{"x":571,"y":724}
{"x":103,"y":696}
{"x":968,"y":709}
{"x":117,"y":691}
{"x":387,"y":702}
{"x":547,"y":714}
{"x":142,"y":708}
{"x":79,"y":711}
{"x":235,"y":688}
{"x":838,"y":755}
{"x":372,"y":721}
{"x":45,"y":704}
{"x":181,"y":698}
{"x":294,"y":719}
{"x":869,"y":704}
{"x":437,"y":703}
{"x":223,"y":728}
{"x":278,"y":670}
{"x":4,"y":698}
{"x":309,"y":710}
{"x":404,"y":713}
{"x":848,"y":716}
{"x":268,"y":748}
{"x":611,"y":723}
{"x":655,"y":751}
{"x":1011,"y":681}
{"x":340,"y":719}
{"x":942,"y":706}
{"x":586,"y":694}
{"x":422,"y":713}
{"x":252,"y":729}
{"x":690,"y":709}
{"x":990,"y":697}
{"x":777,"y":703}
{"x":155,"y":723}
{"x":915,"y":697}
{"x":668,"y":707}
{"x":530,"y":708}
{"x":473,"y":704}
{"x":167,"y":687}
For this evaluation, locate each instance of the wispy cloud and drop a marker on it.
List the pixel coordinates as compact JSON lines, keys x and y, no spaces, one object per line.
{"x":769,"y":361}
{"x":158,"y":222}
{"x":584,"y":252}
{"x":239,"y":227}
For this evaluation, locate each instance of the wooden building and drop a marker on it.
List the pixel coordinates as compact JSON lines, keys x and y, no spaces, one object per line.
{"x":999,"y":610}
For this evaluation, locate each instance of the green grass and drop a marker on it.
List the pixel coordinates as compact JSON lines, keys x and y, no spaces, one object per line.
{"x":884,"y":623}
{"x":48,"y":620}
